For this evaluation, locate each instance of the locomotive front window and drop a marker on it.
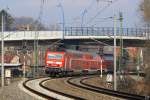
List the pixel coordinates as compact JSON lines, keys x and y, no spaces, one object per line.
{"x":108,"y":57}
{"x":55,"y":56}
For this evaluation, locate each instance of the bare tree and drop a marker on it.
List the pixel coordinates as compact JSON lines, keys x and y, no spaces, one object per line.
{"x":145,"y":9}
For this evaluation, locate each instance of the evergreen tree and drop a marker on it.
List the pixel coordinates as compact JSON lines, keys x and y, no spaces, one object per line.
{"x":8,"y":20}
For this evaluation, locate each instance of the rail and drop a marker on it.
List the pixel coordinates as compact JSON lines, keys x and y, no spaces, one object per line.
{"x":60,"y":93}
{"x":114,"y":93}
{"x":37,"y":92}
{"x":107,"y":91}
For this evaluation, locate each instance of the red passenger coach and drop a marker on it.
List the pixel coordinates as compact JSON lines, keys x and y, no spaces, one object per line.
{"x":68,"y":61}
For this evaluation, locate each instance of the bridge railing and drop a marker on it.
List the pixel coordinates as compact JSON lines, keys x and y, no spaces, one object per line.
{"x":104,"y":31}
{"x":31,"y":35}
{"x":76,"y":31}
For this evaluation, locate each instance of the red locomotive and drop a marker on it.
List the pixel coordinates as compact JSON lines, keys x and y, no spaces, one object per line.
{"x":69,"y":61}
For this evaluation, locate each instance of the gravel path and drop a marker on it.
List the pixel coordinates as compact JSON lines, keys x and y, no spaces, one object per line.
{"x":13,"y":92}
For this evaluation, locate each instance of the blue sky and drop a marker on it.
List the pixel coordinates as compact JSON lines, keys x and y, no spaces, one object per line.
{"x":73,"y":10}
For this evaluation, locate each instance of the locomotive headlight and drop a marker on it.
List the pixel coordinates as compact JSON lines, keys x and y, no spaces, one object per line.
{"x":58,"y":62}
{"x":49,"y":62}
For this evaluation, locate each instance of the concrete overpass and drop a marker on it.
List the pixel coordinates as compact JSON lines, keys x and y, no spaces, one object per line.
{"x":78,"y":35}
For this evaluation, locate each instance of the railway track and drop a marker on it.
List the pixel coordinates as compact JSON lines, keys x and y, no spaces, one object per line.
{"x":36,"y":92}
{"x":41,"y":84}
{"x":60,"y":93}
{"x":106,"y":91}
{"x":82,"y":85}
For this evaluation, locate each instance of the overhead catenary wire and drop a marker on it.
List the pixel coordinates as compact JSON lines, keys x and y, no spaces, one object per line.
{"x":55,"y":43}
{"x":85,"y":10}
{"x":102,"y":20}
{"x":106,"y":18}
{"x":102,"y":10}
{"x":99,"y":41}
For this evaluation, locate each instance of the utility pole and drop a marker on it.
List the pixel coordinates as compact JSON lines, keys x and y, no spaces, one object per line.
{"x":24,"y":50}
{"x":24,"y":67}
{"x":115,"y":75}
{"x":63,"y":19}
{"x":36,"y":43}
{"x":2,"y":50}
{"x":63,"y":22}
{"x":121,"y":41}
{"x":35,"y":53}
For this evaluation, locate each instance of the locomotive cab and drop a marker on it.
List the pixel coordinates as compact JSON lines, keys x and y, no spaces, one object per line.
{"x":54,"y":62}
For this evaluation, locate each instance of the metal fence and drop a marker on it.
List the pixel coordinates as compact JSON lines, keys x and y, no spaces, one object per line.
{"x":105,"y":31}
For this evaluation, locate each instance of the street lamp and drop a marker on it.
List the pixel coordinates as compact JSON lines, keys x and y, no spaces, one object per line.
{"x":63,"y":18}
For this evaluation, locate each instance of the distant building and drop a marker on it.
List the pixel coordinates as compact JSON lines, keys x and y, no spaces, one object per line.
{"x":24,"y":27}
{"x":27,"y":24}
